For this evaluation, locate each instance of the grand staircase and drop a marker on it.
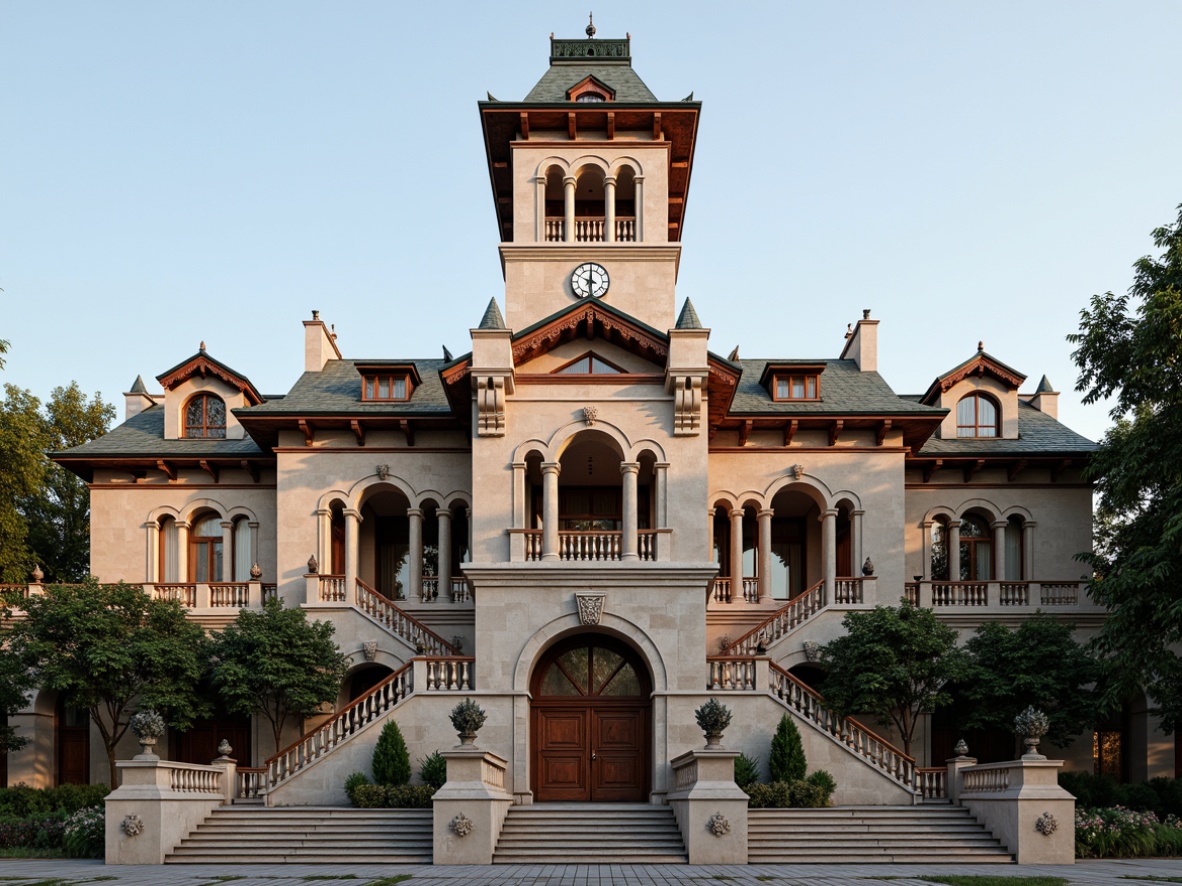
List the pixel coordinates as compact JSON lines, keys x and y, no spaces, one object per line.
{"x":585,"y":833}
{"x":308,"y":834}
{"x":929,"y":834}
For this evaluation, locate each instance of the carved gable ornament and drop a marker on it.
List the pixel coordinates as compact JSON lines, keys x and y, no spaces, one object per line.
{"x":590,"y":607}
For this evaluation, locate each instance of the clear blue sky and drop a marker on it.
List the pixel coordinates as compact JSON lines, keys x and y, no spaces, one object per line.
{"x":186,"y":171}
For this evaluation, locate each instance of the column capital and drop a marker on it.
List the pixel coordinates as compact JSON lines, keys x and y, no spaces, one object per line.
{"x":324,"y":512}
{"x":710,"y":512}
{"x":414,"y":512}
{"x":828,"y":513}
{"x":539,"y":179}
{"x":736,"y":512}
{"x":629,"y":467}
{"x":570,"y":181}
{"x":858,"y":512}
{"x":551,"y":467}
{"x":227,"y":524}
{"x":353,"y":513}
{"x":766,"y":512}
{"x":609,"y":180}
{"x":151,"y":524}
{"x":443,"y":513}
{"x":1028,"y":524}
{"x":998,"y":524}
{"x":638,"y":178}
{"x":660,"y":465}
{"x":253,"y":524}
{"x":184,"y":524}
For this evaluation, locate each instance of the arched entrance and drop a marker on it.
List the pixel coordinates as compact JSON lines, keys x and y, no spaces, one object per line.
{"x":591,"y":723}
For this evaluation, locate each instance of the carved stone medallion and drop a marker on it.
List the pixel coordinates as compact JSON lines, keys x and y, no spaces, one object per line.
{"x":590,"y":607}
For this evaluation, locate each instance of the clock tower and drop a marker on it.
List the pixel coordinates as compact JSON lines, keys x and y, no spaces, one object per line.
{"x":590,"y":174}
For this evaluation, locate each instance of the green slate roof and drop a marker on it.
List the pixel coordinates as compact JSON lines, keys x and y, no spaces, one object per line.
{"x":844,"y":390}
{"x":1038,"y":434}
{"x":336,"y":390}
{"x":142,"y":436}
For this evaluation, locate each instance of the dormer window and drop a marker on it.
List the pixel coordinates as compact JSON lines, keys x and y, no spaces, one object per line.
{"x":976,"y":416}
{"x":385,"y":386}
{"x":797,"y":387}
{"x":591,"y":97}
{"x":205,"y":416}
{"x":590,"y":89}
{"x":588,"y":364}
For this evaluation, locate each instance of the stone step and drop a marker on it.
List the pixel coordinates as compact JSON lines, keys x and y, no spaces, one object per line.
{"x":590,"y":833}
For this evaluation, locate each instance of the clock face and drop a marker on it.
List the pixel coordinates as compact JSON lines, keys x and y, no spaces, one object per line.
{"x":589,"y":280}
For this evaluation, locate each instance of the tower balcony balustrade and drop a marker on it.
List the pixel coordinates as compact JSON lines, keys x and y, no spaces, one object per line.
{"x":591,"y":229}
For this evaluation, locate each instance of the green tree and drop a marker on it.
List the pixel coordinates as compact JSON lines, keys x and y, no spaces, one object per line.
{"x":787,"y":761}
{"x":16,"y":681}
{"x":1040,"y":664}
{"x":22,"y":469}
{"x":391,"y":759}
{"x":109,"y":648}
{"x":893,"y":663}
{"x":1129,"y":349}
{"x":58,"y":514}
{"x":277,"y":664}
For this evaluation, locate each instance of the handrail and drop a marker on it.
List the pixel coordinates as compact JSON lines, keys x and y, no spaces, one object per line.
{"x":873,"y":748}
{"x":781,"y":622}
{"x":363,"y":710}
{"x":400,"y":622}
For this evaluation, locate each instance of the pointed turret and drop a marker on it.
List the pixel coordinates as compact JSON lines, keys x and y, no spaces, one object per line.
{"x":688,"y":318}
{"x":492,"y":318}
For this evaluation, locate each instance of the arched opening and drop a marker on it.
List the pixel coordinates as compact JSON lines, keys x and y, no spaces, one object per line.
{"x":591,"y":722}
{"x":384,"y":544}
{"x":71,"y":727}
{"x":626,"y":207}
{"x":243,"y":549}
{"x":1015,"y":553}
{"x":555,"y":205}
{"x":360,"y":681}
{"x":206,"y":548}
{"x":590,"y":206}
{"x":976,"y":549}
{"x":977,"y":416}
{"x":795,"y":544}
{"x":336,"y":539}
{"x":205,"y":416}
{"x":168,"y":560}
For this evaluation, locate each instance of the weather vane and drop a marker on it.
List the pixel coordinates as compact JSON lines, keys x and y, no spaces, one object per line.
{"x":590,"y":25}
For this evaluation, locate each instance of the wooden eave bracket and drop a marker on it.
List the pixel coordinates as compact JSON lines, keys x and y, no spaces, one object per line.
{"x":611,"y":125}
{"x":790,"y":431}
{"x":930,"y":468}
{"x":880,"y":434}
{"x":525,"y":125}
{"x":1015,"y":469}
{"x":210,"y":468}
{"x":571,"y":127}
{"x":657,"y":133}
{"x":1058,"y":467}
{"x":835,"y":431}
{"x":745,"y":431}
{"x":251,"y":468}
{"x":358,"y":431}
{"x":308,"y":431}
{"x":972,"y":467}
{"x":408,"y":429}
{"x":167,"y":468}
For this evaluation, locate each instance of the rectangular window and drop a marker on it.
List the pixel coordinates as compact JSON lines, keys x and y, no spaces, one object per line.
{"x":384,"y":387}
{"x":797,"y":387}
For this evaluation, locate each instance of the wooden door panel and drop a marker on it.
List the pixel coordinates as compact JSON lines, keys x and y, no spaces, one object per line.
{"x":563,"y":757}
{"x":618,"y":773}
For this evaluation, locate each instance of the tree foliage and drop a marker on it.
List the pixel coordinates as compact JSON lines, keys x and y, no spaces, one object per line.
{"x":1129,"y":348}
{"x":787,"y":762}
{"x":22,"y":468}
{"x":277,"y":664}
{"x":108,"y":648}
{"x":391,"y":759}
{"x":1040,"y":664}
{"x":893,"y":663}
{"x":16,"y":681}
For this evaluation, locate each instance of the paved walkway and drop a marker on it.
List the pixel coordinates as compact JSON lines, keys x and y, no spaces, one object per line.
{"x":57,"y":872}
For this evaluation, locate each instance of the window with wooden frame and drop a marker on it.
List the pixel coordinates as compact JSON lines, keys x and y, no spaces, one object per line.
{"x":385,"y":386}
{"x":977,"y":416}
{"x":205,"y":416}
{"x":588,"y":364}
{"x":796,"y":386}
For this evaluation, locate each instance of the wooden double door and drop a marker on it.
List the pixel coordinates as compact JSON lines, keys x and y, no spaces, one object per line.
{"x":591,"y":722}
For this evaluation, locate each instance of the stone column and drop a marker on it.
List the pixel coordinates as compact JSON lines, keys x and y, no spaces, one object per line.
{"x":443,"y":515}
{"x":639,"y":199}
{"x":661,"y":494}
{"x":324,"y":539}
{"x":227,"y":553}
{"x":856,"y":541}
{"x":925,"y":565}
{"x":569,"y":200}
{"x":609,"y":209}
{"x":540,"y":209}
{"x":182,"y":550}
{"x":737,"y":556}
{"x":352,"y":551}
{"x":153,"y":564}
{"x":828,"y":521}
{"x":550,"y":471}
{"x":1028,"y":550}
{"x":765,"y":554}
{"x":630,"y":543}
{"x":953,"y":550}
{"x":999,"y":549}
{"x":254,"y":544}
{"x":415,"y":517}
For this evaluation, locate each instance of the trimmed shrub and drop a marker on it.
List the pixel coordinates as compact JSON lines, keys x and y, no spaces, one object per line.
{"x":41,"y":831}
{"x":746,"y":770}
{"x":22,"y":801}
{"x":823,"y":780}
{"x":802,"y":795}
{"x":391,"y":759}
{"x":369,"y":796}
{"x":433,"y":770}
{"x":353,"y":781}
{"x":85,"y":834}
{"x":786,"y":761}
{"x":405,"y":796}
{"x":785,"y":794}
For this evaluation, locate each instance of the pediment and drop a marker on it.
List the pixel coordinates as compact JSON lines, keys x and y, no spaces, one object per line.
{"x":980,"y":365}
{"x":204,"y":366}
{"x":592,"y":323}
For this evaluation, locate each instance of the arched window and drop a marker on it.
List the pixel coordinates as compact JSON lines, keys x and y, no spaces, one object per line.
{"x":1014,"y":552}
{"x":976,"y":416}
{"x":243,"y":555}
{"x":975,"y":550}
{"x":205,"y":416}
{"x":205,"y":549}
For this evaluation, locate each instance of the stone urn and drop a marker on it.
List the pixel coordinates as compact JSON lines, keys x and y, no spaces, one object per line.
{"x":713,"y":718}
{"x":1031,"y":725}
{"x":147,"y":726}
{"x":467,"y":717}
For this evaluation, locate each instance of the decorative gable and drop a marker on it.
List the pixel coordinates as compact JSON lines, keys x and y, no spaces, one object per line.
{"x":591,"y":89}
{"x":981,"y":395}
{"x":200,"y":396}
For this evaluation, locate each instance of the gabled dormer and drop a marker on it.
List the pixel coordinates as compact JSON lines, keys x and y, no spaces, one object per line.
{"x":200,"y":395}
{"x":981,"y":395}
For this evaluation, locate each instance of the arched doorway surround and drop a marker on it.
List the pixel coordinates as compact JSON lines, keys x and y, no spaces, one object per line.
{"x":591,"y":722}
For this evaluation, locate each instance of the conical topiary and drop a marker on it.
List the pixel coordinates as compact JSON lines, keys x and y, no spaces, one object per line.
{"x":391,"y":759}
{"x":786,"y":761}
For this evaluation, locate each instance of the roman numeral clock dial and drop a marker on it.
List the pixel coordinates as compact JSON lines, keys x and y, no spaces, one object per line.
{"x":589,"y":280}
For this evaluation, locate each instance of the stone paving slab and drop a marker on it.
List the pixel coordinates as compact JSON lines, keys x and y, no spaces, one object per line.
{"x":69,"y":872}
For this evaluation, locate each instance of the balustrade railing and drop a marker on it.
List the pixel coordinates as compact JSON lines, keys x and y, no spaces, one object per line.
{"x":731,"y":673}
{"x":452,"y":673}
{"x":646,"y":544}
{"x":270,"y":592}
{"x":332,"y":589}
{"x":185,"y":594}
{"x":403,"y":624}
{"x":751,"y":590}
{"x":911,"y":592}
{"x":251,"y":780}
{"x":189,"y":778}
{"x":430,"y":588}
{"x":533,"y":544}
{"x":581,"y":545}
{"x":873,"y":748}
{"x":375,"y":703}
{"x":235,"y":594}
{"x":848,"y":591}
{"x":932,"y":782}
{"x":781,"y":622}
{"x":722,"y":590}
{"x":492,"y":773}
{"x":1014,"y":593}
{"x":1008,"y":594}
{"x":1059,"y":593}
{"x":461,"y":590}
{"x":959,"y":593}
{"x":590,"y":229}
{"x":982,"y":780}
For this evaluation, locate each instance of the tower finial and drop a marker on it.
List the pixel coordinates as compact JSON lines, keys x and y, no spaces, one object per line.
{"x":590,"y":25}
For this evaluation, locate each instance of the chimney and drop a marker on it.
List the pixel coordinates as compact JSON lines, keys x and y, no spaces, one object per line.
{"x":861,"y":345}
{"x":1046,"y":399}
{"x":320,"y":344}
{"x":137,"y":399}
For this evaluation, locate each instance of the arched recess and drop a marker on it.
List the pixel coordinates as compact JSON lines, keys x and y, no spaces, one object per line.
{"x":796,"y":535}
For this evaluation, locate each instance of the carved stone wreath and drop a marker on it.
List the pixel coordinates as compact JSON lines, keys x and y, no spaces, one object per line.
{"x":590,"y":413}
{"x":719,"y":826}
{"x":590,"y":608}
{"x":462,"y":825}
{"x":1046,"y":824}
{"x":132,"y":825}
